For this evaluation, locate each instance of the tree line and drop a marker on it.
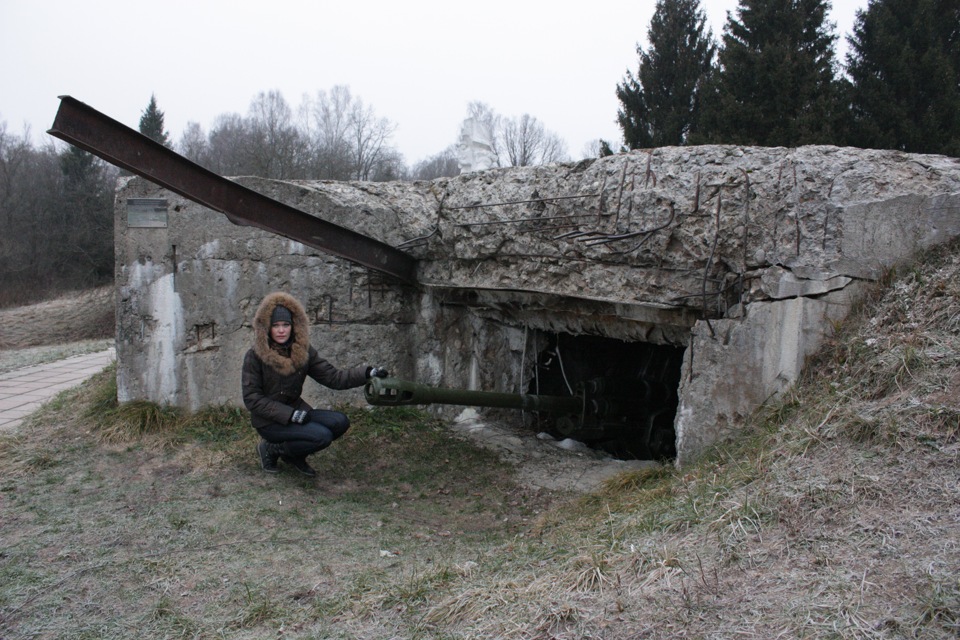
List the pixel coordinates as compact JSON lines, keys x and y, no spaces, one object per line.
{"x":336,"y":136}
{"x":772,"y":79}
{"x":56,"y":209}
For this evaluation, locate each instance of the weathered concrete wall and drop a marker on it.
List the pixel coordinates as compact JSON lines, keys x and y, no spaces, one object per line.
{"x":742,"y":255}
{"x":735,"y":365}
{"x":187,"y":291}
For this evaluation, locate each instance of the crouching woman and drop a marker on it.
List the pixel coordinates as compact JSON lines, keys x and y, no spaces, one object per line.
{"x":274,"y":371}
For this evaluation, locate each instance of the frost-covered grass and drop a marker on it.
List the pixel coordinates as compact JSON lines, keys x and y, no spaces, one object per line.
{"x":12,"y":359}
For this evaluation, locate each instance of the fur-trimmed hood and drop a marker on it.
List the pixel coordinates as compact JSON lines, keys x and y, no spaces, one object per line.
{"x":299,"y":342}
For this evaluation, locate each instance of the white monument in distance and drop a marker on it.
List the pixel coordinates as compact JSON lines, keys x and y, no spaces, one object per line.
{"x":475,"y":149}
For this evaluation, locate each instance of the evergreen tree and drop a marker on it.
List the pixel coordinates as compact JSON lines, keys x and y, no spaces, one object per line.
{"x":151,"y":123}
{"x":85,"y":215}
{"x":775,"y":85}
{"x":904,"y":63}
{"x":660,"y":105}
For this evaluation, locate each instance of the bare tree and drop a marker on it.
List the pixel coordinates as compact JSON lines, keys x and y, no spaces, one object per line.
{"x":527,"y":143}
{"x":592,"y":149}
{"x":370,"y":135}
{"x":229,"y":139}
{"x":389,"y":166}
{"x":327,"y":123}
{"x":14,"y":156}
{"x":347,"y":139}
{"x":266,"y":143}
{"x":57,"y":215}
{"x":335,"y":136}
{"x":193,"y":144}
{"x":28,"y":187}
{"x":278,"y":149}
{"x":441,"y":165}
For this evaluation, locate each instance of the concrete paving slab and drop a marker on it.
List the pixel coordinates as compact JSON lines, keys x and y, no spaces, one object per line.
{"x":25,"y":390}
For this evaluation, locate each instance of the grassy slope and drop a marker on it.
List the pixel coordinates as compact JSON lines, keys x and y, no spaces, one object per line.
{"x":836,"y":514}
{"x":75,"y":317}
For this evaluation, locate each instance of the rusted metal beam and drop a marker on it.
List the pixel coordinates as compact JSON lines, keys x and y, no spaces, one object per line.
{"x":90,"y":130}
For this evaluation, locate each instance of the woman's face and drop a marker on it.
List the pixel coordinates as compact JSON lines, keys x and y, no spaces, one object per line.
{"x":280,"y":332}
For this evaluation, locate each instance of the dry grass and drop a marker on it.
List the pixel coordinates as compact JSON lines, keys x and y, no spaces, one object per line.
{"x":80,"y":316}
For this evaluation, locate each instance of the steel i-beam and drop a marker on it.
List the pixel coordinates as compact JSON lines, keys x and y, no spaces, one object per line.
{"x":90,"y":130}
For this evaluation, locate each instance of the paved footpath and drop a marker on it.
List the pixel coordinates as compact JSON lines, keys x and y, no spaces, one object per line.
{"x":22,"y":391}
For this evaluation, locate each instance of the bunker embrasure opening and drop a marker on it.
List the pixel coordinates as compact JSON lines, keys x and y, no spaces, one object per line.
{"x":629,"y":392}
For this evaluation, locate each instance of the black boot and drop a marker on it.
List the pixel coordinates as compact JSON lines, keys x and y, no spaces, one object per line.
{"x":300,"y":464}
{"x":269,"y":453}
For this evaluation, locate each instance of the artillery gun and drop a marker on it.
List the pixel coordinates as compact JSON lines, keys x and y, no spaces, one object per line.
{"x":630,"y":418}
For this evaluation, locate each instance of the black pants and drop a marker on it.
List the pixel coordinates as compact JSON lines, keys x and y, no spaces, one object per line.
{"x":300,"y":440}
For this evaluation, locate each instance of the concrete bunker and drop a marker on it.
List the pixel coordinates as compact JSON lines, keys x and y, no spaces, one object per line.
{"x":734,"y":262}
{"x":188,"y":284}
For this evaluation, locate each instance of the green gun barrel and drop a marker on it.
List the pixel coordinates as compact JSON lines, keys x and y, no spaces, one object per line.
{"x":396,"y":392}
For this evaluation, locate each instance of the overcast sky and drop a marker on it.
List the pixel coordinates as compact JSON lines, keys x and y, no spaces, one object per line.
{"x":418,"y":63}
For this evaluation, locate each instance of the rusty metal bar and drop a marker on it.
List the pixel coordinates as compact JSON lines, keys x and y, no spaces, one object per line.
{"x":90,"y":130}
{"x":633,"y":234}
{"x":533,"y":201}
{"x":519,"y":220}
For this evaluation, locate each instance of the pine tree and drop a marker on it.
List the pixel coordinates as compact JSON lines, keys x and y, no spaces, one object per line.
{"x":775,"y":85}
{"x":660,"y":104}
{"x":151,"y":123}
{"x":85,"y":216}
{"x":904,"y":63}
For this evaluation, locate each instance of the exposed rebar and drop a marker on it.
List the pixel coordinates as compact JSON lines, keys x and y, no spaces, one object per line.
{"x":509,"y":202}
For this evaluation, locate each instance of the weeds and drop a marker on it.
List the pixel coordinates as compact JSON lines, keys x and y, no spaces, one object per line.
{"x":591,"y":572}
{"x":467,"y":606}
{"x":221,"y":426}
{"x":556,"y":618}
{"x":650,"y":568}
{"x":258,"y":609}
{"x":419,"y":587}
{"x":939,"y":605}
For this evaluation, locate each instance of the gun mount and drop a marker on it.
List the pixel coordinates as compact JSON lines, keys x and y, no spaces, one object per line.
{"x":628,"y":416}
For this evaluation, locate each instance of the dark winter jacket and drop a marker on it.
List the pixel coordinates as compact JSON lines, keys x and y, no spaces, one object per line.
{"x":273,"y":375}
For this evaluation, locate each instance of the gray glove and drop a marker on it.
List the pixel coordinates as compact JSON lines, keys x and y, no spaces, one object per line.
{"x":378,"y":372}
{"x":299,"y":416}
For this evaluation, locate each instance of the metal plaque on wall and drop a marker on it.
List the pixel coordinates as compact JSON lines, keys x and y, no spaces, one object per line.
{"x":147,"y":212}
